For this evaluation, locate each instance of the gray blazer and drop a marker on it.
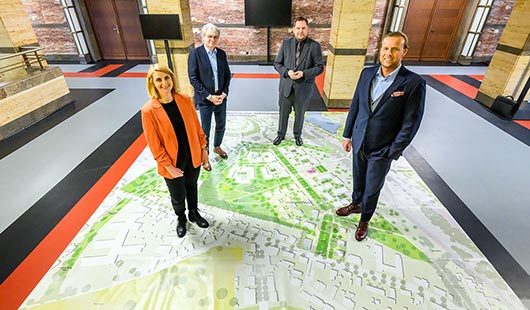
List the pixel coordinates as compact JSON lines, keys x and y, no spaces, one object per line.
{"x":310,"y":63}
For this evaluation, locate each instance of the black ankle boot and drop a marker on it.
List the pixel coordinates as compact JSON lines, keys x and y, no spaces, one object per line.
{"x":181,"y":226}
{"x":194,"y":216}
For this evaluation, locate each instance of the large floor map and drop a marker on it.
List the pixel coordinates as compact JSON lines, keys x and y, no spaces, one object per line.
{"x":274,"y":240}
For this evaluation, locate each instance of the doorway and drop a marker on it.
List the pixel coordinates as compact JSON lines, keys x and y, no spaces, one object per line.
{"x":431,"y":26}
{"x":117,"y":28}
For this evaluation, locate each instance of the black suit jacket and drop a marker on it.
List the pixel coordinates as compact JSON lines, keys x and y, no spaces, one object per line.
{"x":389,"y":129}
{"x":201,"y":74}
{"x":310,"y":62}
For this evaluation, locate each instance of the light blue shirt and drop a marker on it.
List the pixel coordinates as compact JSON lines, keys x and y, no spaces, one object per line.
{"x":212,"y":55}
{"x":379,"y":85}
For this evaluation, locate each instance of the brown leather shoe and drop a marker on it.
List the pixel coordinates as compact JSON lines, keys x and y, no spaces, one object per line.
{"x":349,"y":209}
{"x":219,"y":151}
{"x":362,"y":231}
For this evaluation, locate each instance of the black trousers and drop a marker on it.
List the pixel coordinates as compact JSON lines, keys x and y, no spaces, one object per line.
{"x":184,"y":189}
{"x":287,"y":104}
{"x":369,"y":174}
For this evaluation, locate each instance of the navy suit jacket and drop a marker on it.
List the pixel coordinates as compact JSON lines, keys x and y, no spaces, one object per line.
{"x":310,"y":62}
{"x":201,"y":74}
{"x":390,"y":128}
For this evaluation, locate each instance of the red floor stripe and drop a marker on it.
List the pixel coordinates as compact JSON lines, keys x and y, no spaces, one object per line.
{"x":338,"y":110}
{"x":524,"y":123}
{"x":133,"y":75}
{"x":319,"y":81}
{"x":458,"y":85}
{"x":477,"y":77}
{"x":15,"y":289}
{"x":97,"y":73}
{"x":256,"y":76}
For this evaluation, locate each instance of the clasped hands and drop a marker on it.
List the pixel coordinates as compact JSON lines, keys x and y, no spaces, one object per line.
{"x":217,"y":99}
{"x":295,"y":75}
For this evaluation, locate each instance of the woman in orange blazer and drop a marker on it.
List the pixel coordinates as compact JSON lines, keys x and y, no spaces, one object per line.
{"x":178,"y":144}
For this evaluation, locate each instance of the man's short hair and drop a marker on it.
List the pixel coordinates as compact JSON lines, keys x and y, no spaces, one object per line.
{"x":299,"y":19}
{"x":398,"y":34}
{"x":210,"y":27}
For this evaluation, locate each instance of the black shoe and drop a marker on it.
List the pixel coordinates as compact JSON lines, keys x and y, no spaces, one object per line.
{"x":195,"y":217}
{"x":299,"y":141}
{"x":181,"y":228}
{"x":277,"y":140}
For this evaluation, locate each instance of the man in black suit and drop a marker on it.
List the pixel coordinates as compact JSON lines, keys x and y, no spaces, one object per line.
{"x":299,"y":61}
{"x":384,"y":116}
{"x":210,"y":77}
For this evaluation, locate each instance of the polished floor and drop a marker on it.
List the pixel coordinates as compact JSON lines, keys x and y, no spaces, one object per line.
{"x":474,"y":163}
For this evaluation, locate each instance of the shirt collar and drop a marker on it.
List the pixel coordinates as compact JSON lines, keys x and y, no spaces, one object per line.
{"x":210,"y":52}
{"x":392,"y":75}
{"x":301,"y":42}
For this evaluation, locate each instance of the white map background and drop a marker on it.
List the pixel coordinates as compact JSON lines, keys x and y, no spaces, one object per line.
{"x":274,"y":240}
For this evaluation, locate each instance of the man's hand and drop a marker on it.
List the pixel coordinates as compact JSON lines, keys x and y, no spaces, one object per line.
{"x":217,"y":99}
{"x":295,"y":75}
{"x":298,"y":75}
{"x":346,"y":145}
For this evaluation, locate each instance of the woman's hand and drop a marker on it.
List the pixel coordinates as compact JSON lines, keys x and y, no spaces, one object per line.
{"x":174,"y":171}
{"x":205,"y":162}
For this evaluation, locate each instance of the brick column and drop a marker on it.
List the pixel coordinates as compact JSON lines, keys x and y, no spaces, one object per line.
{"x":509,"y":67}
{"x":180,"y":49}
{"x":350,"y":30}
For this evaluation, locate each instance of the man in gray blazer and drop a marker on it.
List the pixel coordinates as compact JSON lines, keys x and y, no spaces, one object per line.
{"x":299,"y":61}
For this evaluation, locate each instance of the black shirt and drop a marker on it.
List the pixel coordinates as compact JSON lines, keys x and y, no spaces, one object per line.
{"x":184,"y":154}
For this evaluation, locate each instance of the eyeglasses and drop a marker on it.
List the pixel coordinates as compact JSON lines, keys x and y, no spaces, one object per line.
{"x":211,"y":36}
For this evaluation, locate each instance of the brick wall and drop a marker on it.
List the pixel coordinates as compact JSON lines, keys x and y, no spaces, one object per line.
{"x":250,"y":43}
{"x":242,"y":42}
{"x":50,"y":26}
{"x":491,"y":34}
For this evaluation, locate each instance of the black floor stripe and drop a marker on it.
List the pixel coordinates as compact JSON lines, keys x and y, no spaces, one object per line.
{"x":82,"y":99}
{"x":23,"y":235}
{"x":467,"y":79}
{"x":98,"y":65}
{"x":497,"y":255}
{"x":126,"y":67}
{"x":515,"y":130}
{"x":523,"y":113}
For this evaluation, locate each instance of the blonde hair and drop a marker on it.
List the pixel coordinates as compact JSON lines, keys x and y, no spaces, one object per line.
{"x":151,"y":89}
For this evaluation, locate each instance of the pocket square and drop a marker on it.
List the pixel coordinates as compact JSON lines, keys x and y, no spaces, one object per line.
{"x":397,"y":94}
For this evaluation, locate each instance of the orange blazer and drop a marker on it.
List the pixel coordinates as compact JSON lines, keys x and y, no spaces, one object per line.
{"x":161,"y":137}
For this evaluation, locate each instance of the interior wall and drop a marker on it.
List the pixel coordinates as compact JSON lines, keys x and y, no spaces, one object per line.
{"x":51,"y":28}
{"x":244,"y":43}
{"x":491,"y":34}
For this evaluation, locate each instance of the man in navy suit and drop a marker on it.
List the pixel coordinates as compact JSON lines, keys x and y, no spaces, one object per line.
{"x":384,"y":116}
{"x":210,"y":77}
{"x":299,"y":61}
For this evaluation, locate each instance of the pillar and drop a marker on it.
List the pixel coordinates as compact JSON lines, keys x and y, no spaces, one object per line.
{"x":509,"y":68}
{"x":350,"y":30}
{"x":180,"y":49}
